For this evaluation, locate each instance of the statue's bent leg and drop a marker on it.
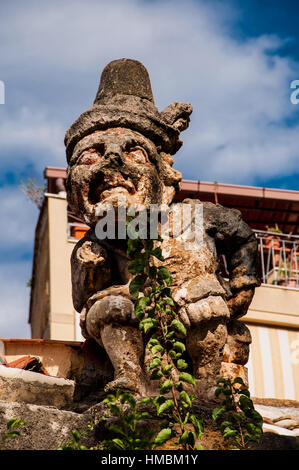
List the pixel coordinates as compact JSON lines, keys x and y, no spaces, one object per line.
{"x":110,"y":321}
{"x":236,"y":351}
{"x":205,"y":346}
{"x":206,"y":338}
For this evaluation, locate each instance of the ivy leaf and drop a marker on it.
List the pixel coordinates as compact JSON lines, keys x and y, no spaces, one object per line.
{"x":179,"y":327}
{"x":9,"y":435}
{"x":157,"y":253}
{"x":179,"y":346}
{"x":181,"y":364}
{"x":184,"y":438}
{"x":115,"y":409}
{"x":238,"y":380}
{"x":198,"y":425}
{"x":166,"y":386}
{"x":185,"y":377}
{"x":163,"y":436}
{"x":226,"y":425}
{"x":141,"y":305}
{"x":256,"y":417}
{"x":157,"y":349}
{"x":164,"y":275}
{"x":119,"y":443}
{"x":147,"y":323}
{"x":156,"y":362}
{"x":172,"y":354}
{"x":170,"y":334}
{"x":166,"y":369}
{"x":152,"y":341}
{"x":146,"y":400}
{"x":185,"y":398}
{"x":228,"y":432}
{"x":76,"y":436}
{"x":128,"y":397}
{"x":14,"y":423}
{"x":167,"y":405}
{"x":221,"y":381}
{"x":244,"y":392}
{"x":137,"y":284}
{"x":218,"y":412}
{"x":245,"y":403}
{"x":168,"y":301}
{"x":136,"y":266}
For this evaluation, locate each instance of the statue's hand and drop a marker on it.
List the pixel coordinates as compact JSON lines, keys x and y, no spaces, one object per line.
{"x":122,"y":290}
{"x":240,"y":301}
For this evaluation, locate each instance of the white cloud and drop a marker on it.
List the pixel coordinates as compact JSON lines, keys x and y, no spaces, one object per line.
{"x":240,"y":93}
{"x":32,"y":138}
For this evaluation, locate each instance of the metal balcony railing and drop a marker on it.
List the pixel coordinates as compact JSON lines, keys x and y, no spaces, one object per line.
{"x":279,"y":254}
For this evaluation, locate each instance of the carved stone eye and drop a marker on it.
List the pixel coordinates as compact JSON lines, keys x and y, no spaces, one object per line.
{"x":138,"y":155}
{"x":91,"y":155}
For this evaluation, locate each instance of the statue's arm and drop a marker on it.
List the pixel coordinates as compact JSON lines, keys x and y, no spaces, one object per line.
{"x":91,"y":271}
{"x":235,"y":239}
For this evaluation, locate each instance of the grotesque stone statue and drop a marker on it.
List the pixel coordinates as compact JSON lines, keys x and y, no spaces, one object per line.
{"x":122,"y":146}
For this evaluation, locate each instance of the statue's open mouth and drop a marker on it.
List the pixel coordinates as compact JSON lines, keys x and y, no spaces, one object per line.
{"x":104,"y":187}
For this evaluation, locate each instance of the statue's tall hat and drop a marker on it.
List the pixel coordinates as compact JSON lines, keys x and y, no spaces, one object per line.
{"x":125,"y":99}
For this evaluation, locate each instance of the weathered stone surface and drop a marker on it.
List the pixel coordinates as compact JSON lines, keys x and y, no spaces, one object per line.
{"x":288,"y":424}
{"x":236,"y":349}
{"x":19,"y":385}
{"x":119,"y":153}
{"x":281,"y":420}
{"x":276,"y":413}
{"x":46,"y":428}
{"x":229,"y":370}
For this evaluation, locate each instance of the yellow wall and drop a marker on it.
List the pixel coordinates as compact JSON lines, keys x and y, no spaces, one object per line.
{"x":273,"y":368}
{"x":273,"y":320}
{"x":273,"y":305}
{"x":62,"y":318}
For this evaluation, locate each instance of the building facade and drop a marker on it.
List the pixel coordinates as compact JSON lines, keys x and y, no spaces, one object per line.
{"x":273,"y":317}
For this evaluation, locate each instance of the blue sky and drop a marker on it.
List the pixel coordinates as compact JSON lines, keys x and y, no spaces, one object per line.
{"x":232,"y":60}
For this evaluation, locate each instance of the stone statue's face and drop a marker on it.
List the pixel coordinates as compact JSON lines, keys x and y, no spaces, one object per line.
{"x":112,"y":166}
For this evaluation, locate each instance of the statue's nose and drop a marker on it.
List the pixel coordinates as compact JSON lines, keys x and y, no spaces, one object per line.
{"x":114,"y":154}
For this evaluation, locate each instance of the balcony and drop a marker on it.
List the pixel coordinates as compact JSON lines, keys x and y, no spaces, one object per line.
{"x":279,"y":255}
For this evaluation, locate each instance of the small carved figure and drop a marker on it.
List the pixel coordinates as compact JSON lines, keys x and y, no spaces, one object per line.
{"x":123,"y":146}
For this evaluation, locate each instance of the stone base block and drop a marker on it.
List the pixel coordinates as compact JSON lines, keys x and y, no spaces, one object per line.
{"x":45,"y":428}
{"x":18,"y":385}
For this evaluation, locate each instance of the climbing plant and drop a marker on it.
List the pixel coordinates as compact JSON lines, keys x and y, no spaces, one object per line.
{"x":238,"y":420}
{"x":166,"y":335}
